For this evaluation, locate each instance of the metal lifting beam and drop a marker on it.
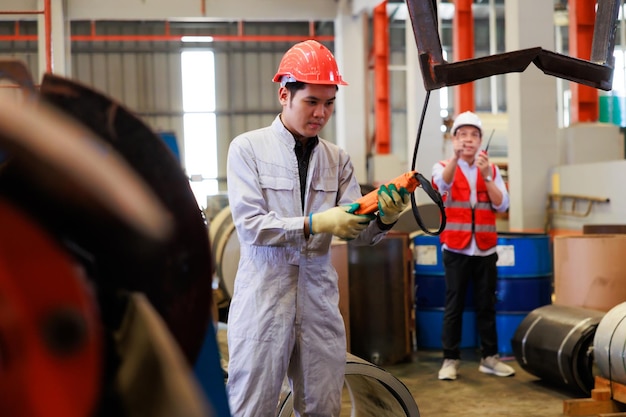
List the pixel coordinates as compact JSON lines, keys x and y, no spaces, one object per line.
{"x":437,"y":73}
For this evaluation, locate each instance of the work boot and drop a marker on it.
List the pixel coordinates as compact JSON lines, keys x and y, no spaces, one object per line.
{"x":449,"y":369}
{"x":493,"y":365}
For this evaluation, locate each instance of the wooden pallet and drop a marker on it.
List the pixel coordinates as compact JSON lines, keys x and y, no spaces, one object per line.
{"x":608,"y":399}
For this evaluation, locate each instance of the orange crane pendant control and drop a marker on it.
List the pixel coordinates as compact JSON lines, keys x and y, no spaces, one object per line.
{"x":368,"y":204}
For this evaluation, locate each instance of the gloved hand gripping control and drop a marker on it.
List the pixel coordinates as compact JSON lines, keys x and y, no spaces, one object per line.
{"x":392,"y":202}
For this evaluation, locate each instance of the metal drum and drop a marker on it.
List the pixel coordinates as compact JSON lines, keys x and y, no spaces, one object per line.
{"x":609,"y":344}
{"x":225,"y":250}
{"x":524,"y":281}
{"x":430,"y":296}
{"x":381,"y":300}
{"x":554,"y":343}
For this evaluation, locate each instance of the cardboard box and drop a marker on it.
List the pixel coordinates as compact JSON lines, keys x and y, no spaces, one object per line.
{"x":590,"y":271}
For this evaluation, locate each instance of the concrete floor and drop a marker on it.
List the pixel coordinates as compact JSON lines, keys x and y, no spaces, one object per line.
{"x":472,"y":394}
{"x":475,"y":394}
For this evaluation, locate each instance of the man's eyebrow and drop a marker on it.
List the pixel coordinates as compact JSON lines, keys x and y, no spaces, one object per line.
{"x":319,"y":99}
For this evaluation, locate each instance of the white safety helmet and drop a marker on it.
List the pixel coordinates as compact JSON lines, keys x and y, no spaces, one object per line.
{"x":467,"y":119}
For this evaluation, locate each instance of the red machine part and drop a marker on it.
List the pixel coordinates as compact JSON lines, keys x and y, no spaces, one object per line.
{"x":50,"y":335}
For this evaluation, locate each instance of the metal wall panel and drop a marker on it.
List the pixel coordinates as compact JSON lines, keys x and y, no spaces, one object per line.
{"x":148,"y":83}
{"x":145,"y":76}
{"x":26,"y":52}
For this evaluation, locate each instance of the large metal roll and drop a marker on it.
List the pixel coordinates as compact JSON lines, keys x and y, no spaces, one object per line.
{"x":430,"y":217}
{"x":609,"y":344}
{"x":226,"y":252}
{"x":174,"y":275}
{"x":554,"y":342}
{"x":49,"y":324}
{"x":373,"y":392}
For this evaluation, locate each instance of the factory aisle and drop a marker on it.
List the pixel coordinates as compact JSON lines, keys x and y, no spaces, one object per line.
{"x":473,"y":394}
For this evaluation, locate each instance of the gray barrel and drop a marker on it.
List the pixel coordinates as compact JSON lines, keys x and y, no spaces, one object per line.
{"x":373,"y":392}
{"x":380,"y":300}
{"x":609,"y":344}
{"x":554,"y":343}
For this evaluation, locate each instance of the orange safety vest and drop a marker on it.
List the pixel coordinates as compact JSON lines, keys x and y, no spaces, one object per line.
{"x":463,"y":220}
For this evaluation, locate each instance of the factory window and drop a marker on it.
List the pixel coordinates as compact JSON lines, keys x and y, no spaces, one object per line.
{"x":199,"y":123}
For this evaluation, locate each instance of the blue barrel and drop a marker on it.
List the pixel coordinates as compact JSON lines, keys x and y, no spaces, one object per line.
{"x":429,"y":325}
{"x":524,"y":281}
{"x":430,"y":296}
{"x":430,"y":292}
{"x":427,"y":255}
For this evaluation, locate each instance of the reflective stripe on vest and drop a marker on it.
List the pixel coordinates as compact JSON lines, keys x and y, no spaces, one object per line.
{"x":468,"y":227}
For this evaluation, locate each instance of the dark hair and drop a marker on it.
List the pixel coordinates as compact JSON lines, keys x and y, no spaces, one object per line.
{"x":298,"y":85}
{"x":295,"y":86}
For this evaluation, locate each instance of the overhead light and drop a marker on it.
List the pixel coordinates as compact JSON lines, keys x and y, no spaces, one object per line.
{"x":197,"y":39}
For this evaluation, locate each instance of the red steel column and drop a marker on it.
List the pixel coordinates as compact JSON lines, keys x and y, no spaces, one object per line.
{"x":463,"y":48}
{"x":582,"y":15}
{"x":47,"y":10}
{"x":381,"y":75}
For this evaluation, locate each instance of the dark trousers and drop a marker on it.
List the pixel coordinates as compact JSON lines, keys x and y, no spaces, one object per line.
{"x":482,"y":272}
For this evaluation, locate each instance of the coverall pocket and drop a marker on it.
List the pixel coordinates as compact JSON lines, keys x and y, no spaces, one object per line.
{"x":278,"y":190}
{"x":324,"y":192}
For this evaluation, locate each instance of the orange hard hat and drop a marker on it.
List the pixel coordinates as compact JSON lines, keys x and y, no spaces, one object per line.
{"x":309,"y":62}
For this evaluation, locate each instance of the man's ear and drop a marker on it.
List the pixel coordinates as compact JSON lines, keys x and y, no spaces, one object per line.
{"x":283,"y":95}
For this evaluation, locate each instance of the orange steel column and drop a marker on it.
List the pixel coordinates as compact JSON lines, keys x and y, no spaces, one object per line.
{"x":463,"y":48}
{"x":47,"y":10}
{"x":582,"y":15}
{"x":381,"y":76}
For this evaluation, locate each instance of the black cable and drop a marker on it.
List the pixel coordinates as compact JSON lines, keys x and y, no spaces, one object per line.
{"x":425,"y":183}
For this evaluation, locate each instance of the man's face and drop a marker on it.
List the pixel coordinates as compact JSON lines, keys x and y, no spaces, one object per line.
{"x":308,"y":110}
{"x":468,"y":139}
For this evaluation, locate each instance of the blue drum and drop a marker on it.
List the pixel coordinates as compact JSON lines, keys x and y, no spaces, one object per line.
{"x":524,"y":281}
{"x":430,"y":296}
